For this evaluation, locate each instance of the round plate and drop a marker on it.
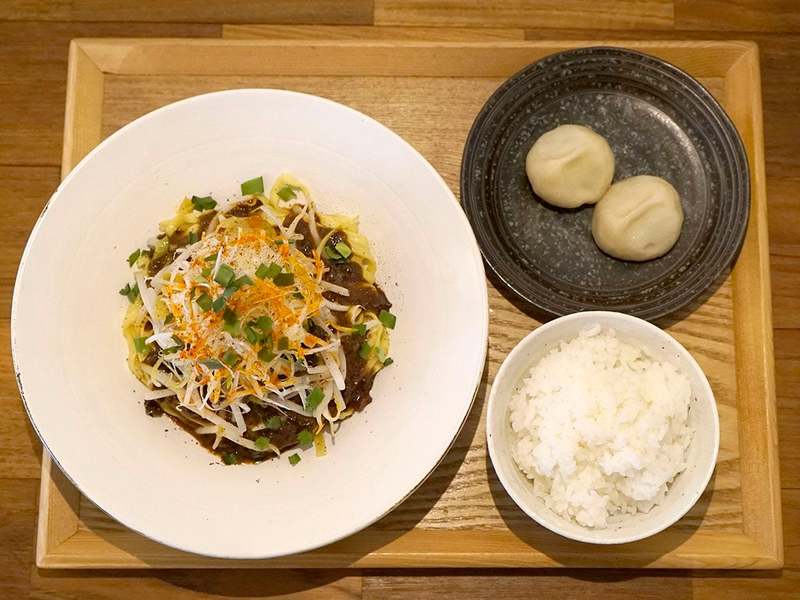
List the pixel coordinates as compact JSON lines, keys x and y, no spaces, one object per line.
{"x":658,"y":121}
{"x":70,"y":355}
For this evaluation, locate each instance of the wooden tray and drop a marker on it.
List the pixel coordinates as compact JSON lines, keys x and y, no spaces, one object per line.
{"x":429,"y":92}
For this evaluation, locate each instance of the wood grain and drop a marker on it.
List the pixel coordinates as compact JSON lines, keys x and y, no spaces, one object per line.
{"x":434,"y":114}
{"x":32,"y":83}
{"x":737,"y":15}
{"x":33,"y":64}
{"x":622,"y":14}
{"x":355,"y":12}
{"x":355,"y":32}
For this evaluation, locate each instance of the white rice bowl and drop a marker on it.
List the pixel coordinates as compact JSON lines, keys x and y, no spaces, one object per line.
{"x":600,"y":427}
{"x":580,"y":469}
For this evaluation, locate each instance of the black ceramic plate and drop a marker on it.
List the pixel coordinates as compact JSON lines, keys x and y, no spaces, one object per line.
{"x":658,"y":121}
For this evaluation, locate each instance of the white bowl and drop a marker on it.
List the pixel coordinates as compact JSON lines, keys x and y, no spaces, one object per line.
{"x":703,"y":419}
{"x":70,"y":355}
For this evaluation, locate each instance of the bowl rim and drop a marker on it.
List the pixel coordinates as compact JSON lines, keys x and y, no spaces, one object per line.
{"x":474,"y":258}
{"x":542,"y":518}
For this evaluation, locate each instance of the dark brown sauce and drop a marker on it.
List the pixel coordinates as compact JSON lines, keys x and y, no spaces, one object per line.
{"x":245,"y":208}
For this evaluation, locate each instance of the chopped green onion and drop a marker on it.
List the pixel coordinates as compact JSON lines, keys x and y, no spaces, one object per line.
{"x":218,"y":303}
{"x":388,"y":362}
{"x":230,"y":458}
{"x":266,"y":354}
{"x":242,"y":281}
{"x":251,"y":334}
{"x":274,"y":422}
{"x":230,"y":358}
{"x":141,"y":344}
{"x":387,"y":318}
{"x":171,"y":349}
{"x":232,"y":324}
{"x":212,"y":363}
{"x":343,"y":249}
{"x":286,"y":193}
{"x":304,"y":438}
{"x":364,"y":351}
{"x":283,"y":343}
{"x":331,"y":254}
{"x":262,"y":270}
{"x":360,"y":329}
{"x":284,"y":279}
{"x":314,"y":398}
{"x":273,"y":270}
{"x":234,"y":329}
{"x":253,"y":186}
{"x":203,"y":203}
{"x":294,"y":459}
{"x":211,"y":259}
{"x":205,"y":302}
{"x":206,"y":271}
{"x":229,"y":291}
{"x":192,"y":237}
{"x":130,"y":292}
{"x":261,"y":442}
{"x":264,"y":323}
{"x":134,"y":256}
{"x":224,"y":276}
{"x":169,"y":319}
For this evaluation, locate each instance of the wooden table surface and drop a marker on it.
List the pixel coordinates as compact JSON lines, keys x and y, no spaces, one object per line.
{"x":34,"y":35}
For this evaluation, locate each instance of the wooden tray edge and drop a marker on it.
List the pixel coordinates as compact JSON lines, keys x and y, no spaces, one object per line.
{"x":91,"y":59}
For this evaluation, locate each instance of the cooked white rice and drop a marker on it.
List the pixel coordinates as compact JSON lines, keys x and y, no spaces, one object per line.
{"x":601,"y":428}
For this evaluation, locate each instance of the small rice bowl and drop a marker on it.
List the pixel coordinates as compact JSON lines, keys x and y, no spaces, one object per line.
{"x":600,"y":427}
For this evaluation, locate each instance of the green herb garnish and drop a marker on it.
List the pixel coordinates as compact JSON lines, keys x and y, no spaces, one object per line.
{"x":229,"y":316}
{"x":130,"y":292}
{"x":331,"y":254}
{"x":242,"y":281}
{"x":388,"y":362}
{"x":274,"y":422}
{"x":203,"y":202}
{"x":343,"y":249}
{"x":387,"y":318}
{"x":211,"y":259}
{"x":230,"y":458}
{"x":283,"y":343}
{"x":204,"y":301}
{"x":262,"y":270}
{"x":264,"y":323}
{"x":251,"y":334}
{"x":364,"y":350}
{"x":230,"y":358}
{"x":212,"y":363}
{"x":253,"y":186}
{"x":169,"y":319}
{"x":219,"y":303}
{"x":283,"y":279}
{"x":304,"y":438}
{"x":266,"y":354}
{"x":360,"y":329}
{"x":141,"y":344}
{"x":286,"y":193}
{"x":134,"y":256}
{"x":192,"y":237}
{"x":314,"y":398}
{"x":261,"y":442}
{"x":224,"y":276}
{"x":294,"y":459}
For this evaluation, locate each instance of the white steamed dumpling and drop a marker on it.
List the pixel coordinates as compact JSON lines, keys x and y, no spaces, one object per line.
{"x":570,"y":165}
{"x":639,"y":218}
